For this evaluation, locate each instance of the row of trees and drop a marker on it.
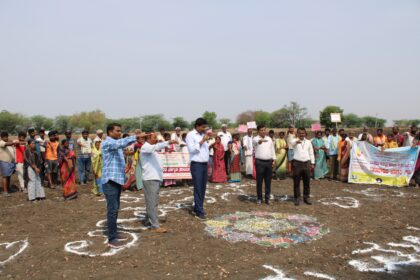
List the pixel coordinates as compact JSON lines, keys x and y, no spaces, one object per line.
{"x":292,"y":114}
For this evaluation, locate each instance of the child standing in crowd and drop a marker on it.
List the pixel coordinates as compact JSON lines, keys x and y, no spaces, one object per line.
{"x":51,"y":157}
{"x":7,"y":160}
{"x":32,"y":166}
{"x":20,"y":160}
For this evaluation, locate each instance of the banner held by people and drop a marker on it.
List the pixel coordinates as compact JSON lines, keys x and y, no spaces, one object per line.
{"x":371,"y":165}
{"x":176,"y":166}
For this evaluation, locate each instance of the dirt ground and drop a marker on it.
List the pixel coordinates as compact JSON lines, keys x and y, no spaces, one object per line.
{"x":187,"y":251}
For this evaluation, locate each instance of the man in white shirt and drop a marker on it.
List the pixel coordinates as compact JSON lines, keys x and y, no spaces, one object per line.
{"x":84,"y":161}
{"x":99,"y":135}
{"x":152,"y":174}
{"x":199,"y":156}
{"x":303,"y":163}
{"x":264,"y":161}
{"x":176,"y":136}
{"x":410,"y":136}
{"x":226,"y":138}
{"x":248,"y":152}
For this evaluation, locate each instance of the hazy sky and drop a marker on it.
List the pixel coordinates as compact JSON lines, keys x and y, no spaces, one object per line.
{"x":180,"y":57}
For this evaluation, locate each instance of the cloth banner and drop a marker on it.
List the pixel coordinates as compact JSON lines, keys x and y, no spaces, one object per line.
{"x":175,"y":165}
{"x":243,"y":128}
{"x":371,"y":165}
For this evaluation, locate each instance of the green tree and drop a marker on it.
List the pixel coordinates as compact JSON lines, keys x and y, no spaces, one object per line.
{"x":244,"y":117}
{"x":129,"y":124}
{"x":39,"y":121}
{"x":228,"y":122}
{"x":306,"y":122}
{"x":325,"y":115}
{"x":407,"y":123}
{"x":13,"y":122}
{"x":155,"y":122}
{"x":180,"y":122}
{"x":62,"y":123}
{"x":373,"y":121}
{"x":211,"y":118}
{"x":89,"y":120}
{"x":296,"y":113}
{"x":263,"y":118}
{"x":352,"y":120}
{"x":280,"y":118}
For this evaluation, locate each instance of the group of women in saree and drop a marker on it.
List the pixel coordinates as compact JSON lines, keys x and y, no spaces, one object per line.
{"x":219,"y":173}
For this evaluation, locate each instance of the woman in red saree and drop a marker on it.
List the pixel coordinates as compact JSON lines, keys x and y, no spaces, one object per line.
{"x":66,"y":160}
{"x":219,"y":169}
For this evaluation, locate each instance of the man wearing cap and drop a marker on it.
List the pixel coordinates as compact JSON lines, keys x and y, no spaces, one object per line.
{"x":99,"y":135}
{"x":176,"y":136}
{"x":226,"y":138}
{"x":84,"y":152}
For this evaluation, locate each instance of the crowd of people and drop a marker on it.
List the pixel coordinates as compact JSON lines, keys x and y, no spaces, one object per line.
{"x":119,"y":162}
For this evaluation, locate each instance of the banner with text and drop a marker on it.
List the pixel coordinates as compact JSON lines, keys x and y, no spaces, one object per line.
{"x":175,"y":165}
{"x":371,"y":165}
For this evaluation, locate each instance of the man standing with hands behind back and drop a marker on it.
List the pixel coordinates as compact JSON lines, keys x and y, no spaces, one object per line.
{"x":199,"y":156}
{"x":264,"y":162}
{"x":303,"y":164}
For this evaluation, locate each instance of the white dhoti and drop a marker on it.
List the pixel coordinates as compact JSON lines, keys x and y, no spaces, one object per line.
{"x":249,"y":165}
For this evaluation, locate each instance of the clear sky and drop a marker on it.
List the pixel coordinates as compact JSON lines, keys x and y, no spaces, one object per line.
{"x":182,"y":57}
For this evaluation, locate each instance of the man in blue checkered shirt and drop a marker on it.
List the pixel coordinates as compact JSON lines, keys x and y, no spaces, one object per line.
{"x":113,"y":175}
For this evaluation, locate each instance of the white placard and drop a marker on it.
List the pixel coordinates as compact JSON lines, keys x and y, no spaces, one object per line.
{"x":336,"y":117}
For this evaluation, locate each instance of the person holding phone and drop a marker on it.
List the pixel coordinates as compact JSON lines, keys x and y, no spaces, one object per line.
{"x":199,"y":156}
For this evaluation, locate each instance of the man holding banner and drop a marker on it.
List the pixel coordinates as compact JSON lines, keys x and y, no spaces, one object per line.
{"x":371,"y":165}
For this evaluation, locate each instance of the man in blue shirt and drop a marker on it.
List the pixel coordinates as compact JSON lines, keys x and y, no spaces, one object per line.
{"x":113,"y":176}
{"x":199,"y":156}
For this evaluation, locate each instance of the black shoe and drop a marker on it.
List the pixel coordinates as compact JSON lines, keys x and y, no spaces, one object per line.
{"x":202,"y":217}
{"x":297,"y":201}
{"x":267,"y":202}
{"x":116,"y":244}
{"x":259,"y":201}
{"x":307,"y":201}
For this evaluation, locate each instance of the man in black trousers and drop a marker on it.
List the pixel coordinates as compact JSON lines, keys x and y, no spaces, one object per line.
{"x":303,"y":164}
{"x":264,"y":160}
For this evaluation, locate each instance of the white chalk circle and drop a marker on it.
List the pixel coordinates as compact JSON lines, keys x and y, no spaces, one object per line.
{"x":342,"y":202}
{"x":16,"y":248}
{"x":81,"y":247}
{"x":387,"y":259}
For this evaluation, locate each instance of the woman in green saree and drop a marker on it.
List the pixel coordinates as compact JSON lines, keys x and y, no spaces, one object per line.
{"x":281,"y":157}
{"x":321,"y":167}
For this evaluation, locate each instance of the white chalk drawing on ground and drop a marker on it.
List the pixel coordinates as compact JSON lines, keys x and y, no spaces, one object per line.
{"x":17,"y":246}
{"x":132,"y":225}
{"x":318,"y":275}
{"x":378,"y":193}
{"x":343,"y":202}
{"x":389,"y":258}
{"x":82,"y":247}
{"x":280,"y":275}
